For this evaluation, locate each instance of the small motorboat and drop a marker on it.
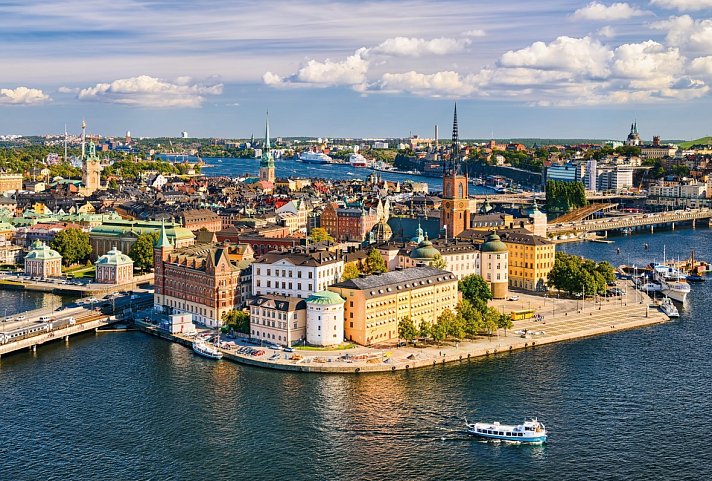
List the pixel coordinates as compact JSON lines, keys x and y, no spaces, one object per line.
{"x":669,"y":308}
{"x":204,"y":349}
{"x":529,"y":432}
{"x":695,"y":278}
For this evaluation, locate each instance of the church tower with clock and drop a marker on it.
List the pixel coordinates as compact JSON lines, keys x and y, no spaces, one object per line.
{"x":454,"y":210}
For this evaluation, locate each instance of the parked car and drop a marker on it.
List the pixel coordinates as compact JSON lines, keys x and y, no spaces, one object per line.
{"x":514,"y":298}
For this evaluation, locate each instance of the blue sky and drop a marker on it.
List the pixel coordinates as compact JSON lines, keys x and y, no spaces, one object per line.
{"x":558,"y":69}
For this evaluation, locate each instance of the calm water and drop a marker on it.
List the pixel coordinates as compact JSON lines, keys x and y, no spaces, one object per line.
{"x":631,"y":405}
{"x":292,"y":168}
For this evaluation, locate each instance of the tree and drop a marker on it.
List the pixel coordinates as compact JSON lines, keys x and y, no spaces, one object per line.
{"x":73,"y":245}
{"x":438,"y":262}
{"x":564,"y":196}
{"x":319,"y":234}
{"x":424,"y":329}
{"x":238,"y":320}
{"x":407,"y":329}
{"x":141,"y":251}
{"x":574,"y":275}
{"x":438,"y":331}
{"x":374,"y":262}
{"x":490,"y":320}
{"x":470,"y":318}
{"x":476,"y":291}
{"x":113,"y":185}
{"x":505,"y":322}
{"x":350,"y":272}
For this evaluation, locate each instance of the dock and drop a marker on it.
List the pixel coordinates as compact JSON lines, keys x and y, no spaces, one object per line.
{"x":55,"y":286}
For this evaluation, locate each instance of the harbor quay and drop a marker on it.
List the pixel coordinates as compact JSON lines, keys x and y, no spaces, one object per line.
{"x":559,"y":320}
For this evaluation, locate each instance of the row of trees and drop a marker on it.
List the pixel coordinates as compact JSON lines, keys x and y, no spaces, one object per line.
{"x":576,"y":275}
{"x":471,"y":318}
{"x":564,"y":196}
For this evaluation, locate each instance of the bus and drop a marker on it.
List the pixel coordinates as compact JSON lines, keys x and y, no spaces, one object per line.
{"x":523,"y":314}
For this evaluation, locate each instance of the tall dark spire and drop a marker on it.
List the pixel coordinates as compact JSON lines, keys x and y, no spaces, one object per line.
{"x":455,"y":154}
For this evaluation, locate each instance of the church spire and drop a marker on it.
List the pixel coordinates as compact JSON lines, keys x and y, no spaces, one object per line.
{"x":455,"y":155}
{"x":163,"y":237}
{"x":267,"y":142}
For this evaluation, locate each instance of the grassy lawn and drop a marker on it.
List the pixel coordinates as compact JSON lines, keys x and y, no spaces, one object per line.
{"x":77,"y":272}
{"x":340,"y":347}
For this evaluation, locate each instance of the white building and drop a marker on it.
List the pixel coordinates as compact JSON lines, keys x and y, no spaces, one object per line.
{"x":278,"y":319}
{"x":617,"y":179}
{"x":294,"y":213}
{"x":591,"y":175}
{"x":296,"y":273}
{"x":325,"y":319}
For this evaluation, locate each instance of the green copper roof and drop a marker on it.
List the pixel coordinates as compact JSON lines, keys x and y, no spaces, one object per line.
{"x":163,"y":238}
{"x":114,"y":257}
{"x":326,"y":298}
{"x":425,"y":250}
{"x":40,"y":250}
{"x":493,"y":244}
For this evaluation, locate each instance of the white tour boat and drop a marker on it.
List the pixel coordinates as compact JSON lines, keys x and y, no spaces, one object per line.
{"x":530,"y":432}
{"x":669,"y":308}
{"x":204,"y":349}
{"x":309,"y":157}
{"x":671,"y":281}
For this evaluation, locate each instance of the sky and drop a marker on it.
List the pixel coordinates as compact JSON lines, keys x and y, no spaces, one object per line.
{"x":388,"y":68}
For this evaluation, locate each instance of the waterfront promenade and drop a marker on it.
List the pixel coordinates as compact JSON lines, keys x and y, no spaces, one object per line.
{"x":569,"y":320}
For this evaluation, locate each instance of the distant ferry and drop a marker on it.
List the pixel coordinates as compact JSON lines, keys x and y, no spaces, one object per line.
{"x":529,"y":432}
{"x":358,"y":160}
{"x":309,"y":157}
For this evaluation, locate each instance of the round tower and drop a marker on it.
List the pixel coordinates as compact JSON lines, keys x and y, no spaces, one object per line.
{"x":325,"y":319}
{"x":495,"y":265}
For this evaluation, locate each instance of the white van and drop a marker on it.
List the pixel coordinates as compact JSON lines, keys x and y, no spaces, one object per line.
{"x":45,"y":318}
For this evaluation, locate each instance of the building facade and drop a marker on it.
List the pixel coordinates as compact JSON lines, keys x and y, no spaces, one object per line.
{"x":348,"y":224}
{"x":200,"y":280}
{"x":278,"y":319}
{"x":122,"y":234}
{"x":296,"y":273}
{"x":114,"y":268}
{"x":42,"y":261}
{"x":375,"y":304}
{"x":325,"y":319}
{"x":10,"y":182}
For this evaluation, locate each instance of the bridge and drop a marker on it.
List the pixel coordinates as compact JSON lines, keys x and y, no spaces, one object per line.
{"x":26,"y":330}
{"x":528,"y":197}
{"x":582,"y":213}
{"x":629,"y":221}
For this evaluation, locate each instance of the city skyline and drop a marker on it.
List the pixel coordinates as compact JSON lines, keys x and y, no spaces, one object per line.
{"x":567,"y":69}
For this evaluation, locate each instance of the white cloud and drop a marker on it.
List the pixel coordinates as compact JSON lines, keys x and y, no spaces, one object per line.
{"x":145,"y":91}
{"x":702,"y":66}
{"x":68,"y":90}
{"x":416,"y":47}
{"x":600,"y":12}
{"x":23,"y":96}
{"x":683,"y":5}
{"x":585,"y":56}
{"x":606,"y":32}
{"x":475,"y":32}
{"x":350,"y":71}
{"x":687,"y":33}
{"x":436,"y":84}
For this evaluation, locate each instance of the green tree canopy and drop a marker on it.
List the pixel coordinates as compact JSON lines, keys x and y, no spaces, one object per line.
{"x":238,"y":320}
{"x":475,"y":289}
{"x":319,"y":234}
{"x":142,"y":251}
{"x":564,"y":196}
{"x":73,"y":245}
{"x":470,"y":318}
{"x":438,"y":262}
{"x":574,"y":274}
{"x":424,"y":329}
{"x":350,"y":272}
{"x":375,"y":263}
{"x":407,"y":329}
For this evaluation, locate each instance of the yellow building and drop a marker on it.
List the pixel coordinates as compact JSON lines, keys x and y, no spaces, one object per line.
{"x":375,"y":304}
{"x":531,"y":258}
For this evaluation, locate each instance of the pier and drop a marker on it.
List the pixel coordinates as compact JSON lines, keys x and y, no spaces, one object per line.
{"x":61,"y":286}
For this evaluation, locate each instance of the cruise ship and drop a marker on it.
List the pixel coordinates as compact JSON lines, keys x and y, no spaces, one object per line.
{"x":358,"y":160}
{"x":309,"y":157}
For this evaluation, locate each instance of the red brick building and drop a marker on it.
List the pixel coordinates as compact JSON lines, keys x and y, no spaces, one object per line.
{"x":196,"y":219}
{"x":348,"y":223}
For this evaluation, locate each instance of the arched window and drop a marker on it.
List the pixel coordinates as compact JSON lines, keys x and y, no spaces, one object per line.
{"x":460,"y":192}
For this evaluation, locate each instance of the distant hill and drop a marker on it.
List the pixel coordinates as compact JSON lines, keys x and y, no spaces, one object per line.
{"x":703,"y":141}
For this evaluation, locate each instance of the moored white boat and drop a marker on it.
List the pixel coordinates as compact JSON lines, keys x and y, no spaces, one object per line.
{"x":358,"y":160}
{"x":669,"y":308}
{"x":310,"y":157}
{"x":201,"y":348}
{"x":530,"y":431}
{"x":671,"y":282}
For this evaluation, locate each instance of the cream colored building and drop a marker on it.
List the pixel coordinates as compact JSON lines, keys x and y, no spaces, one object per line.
{"x":42,"y":261}
{"x":278,"y":319}
{"x":114,"y":268}
{"x":325,"y":319}
{"x":10,"y":182}
{"x":375,"y":304}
